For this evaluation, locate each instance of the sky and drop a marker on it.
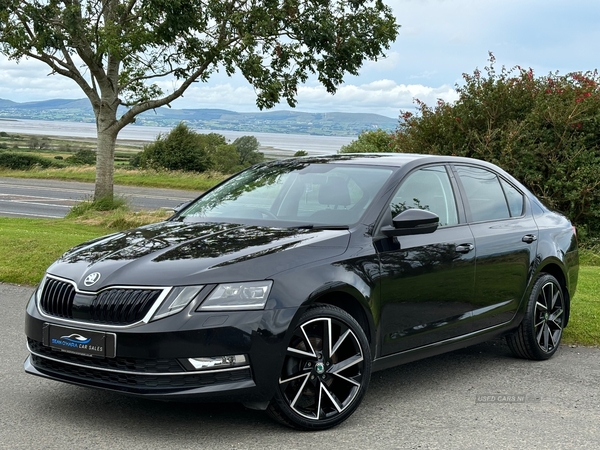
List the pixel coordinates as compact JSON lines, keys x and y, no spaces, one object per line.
{"x":438,"y":41}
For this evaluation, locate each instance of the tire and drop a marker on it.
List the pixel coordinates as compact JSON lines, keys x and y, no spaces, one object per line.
{"x":325,"y":373}
{"x":540,"y":331}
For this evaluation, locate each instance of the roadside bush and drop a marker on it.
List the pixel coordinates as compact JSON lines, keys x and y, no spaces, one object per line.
{"x":543,"y":130}
{"x":374,"y":141}
{"x":3,"y":134}
{"x":82,"y":157}
{"x":17,"y":161}
{"x":231,"y":158}
{"x":184,"y":149}
{"x":247,"y":148}
{"x":301,"y":153}
{"x":180,"y":149}
{"x":226,"y":159}
{"x":134,"y":161}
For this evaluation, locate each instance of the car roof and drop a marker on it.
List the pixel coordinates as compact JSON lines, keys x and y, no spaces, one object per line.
{"x":386,"y":159}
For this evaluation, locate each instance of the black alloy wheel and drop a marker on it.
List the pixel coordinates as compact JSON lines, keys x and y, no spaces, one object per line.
{"x":325,"y":373}
{"x":540,"y":332}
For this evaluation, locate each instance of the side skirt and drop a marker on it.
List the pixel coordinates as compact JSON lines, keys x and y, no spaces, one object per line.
{"x":445,"y":346}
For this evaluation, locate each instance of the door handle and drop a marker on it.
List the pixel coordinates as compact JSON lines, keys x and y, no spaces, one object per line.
{"x":464,"y":248}
{"x":529,"y":238}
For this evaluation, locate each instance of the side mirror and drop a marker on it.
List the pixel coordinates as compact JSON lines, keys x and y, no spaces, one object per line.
{"x":412,"y":221}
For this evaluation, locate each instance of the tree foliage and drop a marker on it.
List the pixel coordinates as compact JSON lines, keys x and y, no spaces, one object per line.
{"x":544,"y":130}
{"x":184,"y":149}
{"x":122,"y":52}
{"x":225,"y":159}
{"x":374,"y":141}
{"x":247,"y":148}
{"x":181,"y":149}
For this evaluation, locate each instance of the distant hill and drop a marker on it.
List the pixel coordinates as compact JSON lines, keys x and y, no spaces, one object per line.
{"x":324,"y":124}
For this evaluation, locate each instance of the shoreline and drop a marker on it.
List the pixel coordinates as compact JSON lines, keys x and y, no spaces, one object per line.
{"x":271,"y":143}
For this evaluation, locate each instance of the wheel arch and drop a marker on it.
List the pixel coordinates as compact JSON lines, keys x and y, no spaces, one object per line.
{"x":556,"y":269}
{"x":349,"y":299}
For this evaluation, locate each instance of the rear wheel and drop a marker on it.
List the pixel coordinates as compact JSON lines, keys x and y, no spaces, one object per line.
{"x":540,"y":332}
{"x":325,"y":373}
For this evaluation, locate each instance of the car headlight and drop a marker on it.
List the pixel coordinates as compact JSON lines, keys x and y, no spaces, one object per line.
{"x":177,"y":300}
{"x":237,"y":296}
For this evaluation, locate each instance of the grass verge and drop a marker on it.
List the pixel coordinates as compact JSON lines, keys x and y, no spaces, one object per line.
{"x":584,"y":323}
{"x":145,"y":178}
{"x":29,"y":246}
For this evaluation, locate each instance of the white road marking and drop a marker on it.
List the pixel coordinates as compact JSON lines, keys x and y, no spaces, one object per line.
{"x":45,"y":216}
{"x":36,"y":203}
{"x":90,"y":192}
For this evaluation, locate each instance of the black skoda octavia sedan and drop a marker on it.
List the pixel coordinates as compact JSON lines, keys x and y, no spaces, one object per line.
{"x":287,"y":285}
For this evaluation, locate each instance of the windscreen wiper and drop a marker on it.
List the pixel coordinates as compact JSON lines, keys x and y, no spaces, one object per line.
{"x":311,"y":226}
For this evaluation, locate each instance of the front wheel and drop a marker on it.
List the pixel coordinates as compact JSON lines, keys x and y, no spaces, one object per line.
{"x":325,"y":373}
{"x":540,"y":332}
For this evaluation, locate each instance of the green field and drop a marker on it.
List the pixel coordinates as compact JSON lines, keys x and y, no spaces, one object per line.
{"x":127,"y":177}
{"x":49,"y":147}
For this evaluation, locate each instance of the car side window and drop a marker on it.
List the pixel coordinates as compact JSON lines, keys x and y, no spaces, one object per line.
{"x":429,"y":189}
{"x":484,"y":194}
{"x":515,"y":199}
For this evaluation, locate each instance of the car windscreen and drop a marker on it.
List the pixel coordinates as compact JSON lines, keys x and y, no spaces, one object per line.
{"x":292,"y":193}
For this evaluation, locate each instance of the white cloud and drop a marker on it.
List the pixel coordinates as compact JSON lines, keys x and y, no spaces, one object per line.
{"x":30,"y":80}
{"x":384,"y":97}
{"x":438,"y":41}
{"x":225,"y":96}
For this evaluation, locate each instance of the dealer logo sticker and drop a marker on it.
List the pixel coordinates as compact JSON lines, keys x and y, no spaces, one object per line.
{"x":74,"y":339}
{"x":92,"y":279}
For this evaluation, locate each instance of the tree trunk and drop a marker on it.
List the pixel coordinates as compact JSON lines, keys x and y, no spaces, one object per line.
{"x":107,"y":130}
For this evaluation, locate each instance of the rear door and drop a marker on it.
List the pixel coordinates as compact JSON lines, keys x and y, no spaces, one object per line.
{"x":505,"y":236}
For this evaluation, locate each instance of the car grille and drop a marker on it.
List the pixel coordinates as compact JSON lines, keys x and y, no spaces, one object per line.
{"x":122,"y":364}
{"x":57,"y":298}
{"x":112,"y":306}
{"x":136,"y":382}
{"x":122,"y":306}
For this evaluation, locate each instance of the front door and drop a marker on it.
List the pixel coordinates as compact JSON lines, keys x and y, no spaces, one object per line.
{"x":427,"y":280}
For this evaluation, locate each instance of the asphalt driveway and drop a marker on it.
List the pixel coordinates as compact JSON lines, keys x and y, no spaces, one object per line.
{"x":475,"y":398}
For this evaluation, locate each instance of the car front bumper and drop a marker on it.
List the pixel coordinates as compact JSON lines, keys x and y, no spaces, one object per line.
{"x":151,"y":360}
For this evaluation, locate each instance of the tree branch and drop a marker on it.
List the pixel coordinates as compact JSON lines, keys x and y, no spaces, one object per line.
{"x":130,"y":115}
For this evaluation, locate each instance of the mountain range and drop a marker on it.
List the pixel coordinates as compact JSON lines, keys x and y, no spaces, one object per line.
{"x":296,"y":122}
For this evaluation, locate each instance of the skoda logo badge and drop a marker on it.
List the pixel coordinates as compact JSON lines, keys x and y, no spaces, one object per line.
{"x":92,"y":279}
{"x":320,"y":368}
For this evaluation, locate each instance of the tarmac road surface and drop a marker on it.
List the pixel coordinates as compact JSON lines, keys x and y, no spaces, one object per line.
{"x":476,"y":398}
{"x":53,"y":199}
